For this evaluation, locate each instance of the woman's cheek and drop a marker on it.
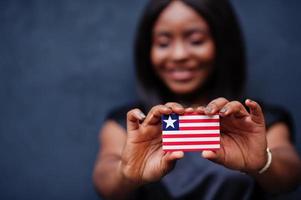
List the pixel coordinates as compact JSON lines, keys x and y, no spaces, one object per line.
{"x":207,"y":52}
{"x":158,"y":56}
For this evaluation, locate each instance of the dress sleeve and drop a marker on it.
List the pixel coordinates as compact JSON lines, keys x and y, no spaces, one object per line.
{"x":119,"y":114}
{"x":275,"y":114}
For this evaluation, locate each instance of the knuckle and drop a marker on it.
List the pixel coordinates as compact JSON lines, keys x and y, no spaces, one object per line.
{"x":129,"y":113}
{"x":173,"y":105}
{"x":218,"y":102}
{"x":222,"y":99}
{"x":132,"y":113}
{"x":236,"y":103}
{"x":158,"y":107}
{"x":155,"y":109}
{"x":213,"y":104}
{"x":170,"y":103}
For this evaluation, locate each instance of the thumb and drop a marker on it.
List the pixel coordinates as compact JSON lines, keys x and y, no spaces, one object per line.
{"x":169,"y":160}
{"x":214,"y":156}
{"x":133,"y":118}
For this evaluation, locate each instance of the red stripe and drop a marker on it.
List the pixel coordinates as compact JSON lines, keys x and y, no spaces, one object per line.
{"x":189,"y":135}
{"x":170,"y":150}
{"x":200,"y":128}
{"x":197,"y":120}
{"x":191,"y":143}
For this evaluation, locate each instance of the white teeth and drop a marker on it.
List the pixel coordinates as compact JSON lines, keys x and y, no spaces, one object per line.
{"x":180,"y":74}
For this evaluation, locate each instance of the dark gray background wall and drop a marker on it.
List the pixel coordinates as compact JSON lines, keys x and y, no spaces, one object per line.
{"x":64,"y":64}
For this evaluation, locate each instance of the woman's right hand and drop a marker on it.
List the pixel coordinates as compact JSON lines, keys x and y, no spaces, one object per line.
{"x":143,"y":159}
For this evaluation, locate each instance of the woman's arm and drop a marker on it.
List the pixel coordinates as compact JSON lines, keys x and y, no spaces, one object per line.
{"x":284,"y":172}
{"x":108,"y":179}
{"x":244,"y":140}
{"x":131,"y":158}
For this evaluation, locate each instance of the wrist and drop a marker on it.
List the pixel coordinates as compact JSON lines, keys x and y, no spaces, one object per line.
{"x":268,"y":162}
{"x":126,"y":178}
{"x":264,"y":166}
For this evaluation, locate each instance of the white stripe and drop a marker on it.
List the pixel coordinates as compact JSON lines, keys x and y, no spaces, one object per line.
{"x":190,"y":139}
{"x":198,"y":117}
{"x":205,"y":146}
{"x":198,"y":124}
{"x":192,"y":132}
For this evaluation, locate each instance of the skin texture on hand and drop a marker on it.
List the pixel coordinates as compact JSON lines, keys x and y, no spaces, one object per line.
{"x":143,"y":159}
{"x":243,"y":135}
{"x":134,"y":157}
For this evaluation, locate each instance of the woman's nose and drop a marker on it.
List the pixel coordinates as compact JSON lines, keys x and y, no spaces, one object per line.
{"x":179,"y":52}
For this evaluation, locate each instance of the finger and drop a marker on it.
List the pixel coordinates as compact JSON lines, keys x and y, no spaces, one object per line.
{"x":154,"y":115}
{"x":210,"y":155}
{"x":255,"y":111}
{"x":170,"y":159}
{"x":189,"y":110}
{"x":214,"y":106}
{"x":234,"y":108}
{"x":133,"y":118}
{"x":201,"y":110}
{"x":173,"y":155}
{"x":214,"y":156}
{"x":176,"y":107}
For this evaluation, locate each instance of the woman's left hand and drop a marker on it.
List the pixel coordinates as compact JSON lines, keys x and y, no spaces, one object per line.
{"x":243,"y":135}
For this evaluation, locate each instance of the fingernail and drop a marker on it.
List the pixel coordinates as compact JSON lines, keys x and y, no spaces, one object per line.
{"x":208,"y":109}
{"x":142,"y":116}
{"x":223,"y":110}
{"x":178,"y":107}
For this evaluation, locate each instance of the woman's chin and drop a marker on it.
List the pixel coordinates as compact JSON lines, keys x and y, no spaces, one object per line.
{"x":182,"y":90}
{"x":184,"y":87}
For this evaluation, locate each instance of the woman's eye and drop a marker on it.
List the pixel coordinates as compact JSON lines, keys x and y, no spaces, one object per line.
{"x":162,"y":42}
{"x":163,"y":45}
{"x":196,"y":39}
{"x":197,"y":42}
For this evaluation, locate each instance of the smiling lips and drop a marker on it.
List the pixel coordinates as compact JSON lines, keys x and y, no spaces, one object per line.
{"x":180,"y":74}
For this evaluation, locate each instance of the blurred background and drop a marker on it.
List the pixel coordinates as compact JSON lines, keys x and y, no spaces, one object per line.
{"x":64,"y":64}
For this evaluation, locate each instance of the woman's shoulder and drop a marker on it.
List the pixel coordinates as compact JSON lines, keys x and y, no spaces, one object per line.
{"x":118,"y":114}
{"x":276,"y":114}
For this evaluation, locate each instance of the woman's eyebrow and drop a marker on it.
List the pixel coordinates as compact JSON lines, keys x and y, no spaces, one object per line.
{"x":162,"y":33}
{"x":195,"y":30}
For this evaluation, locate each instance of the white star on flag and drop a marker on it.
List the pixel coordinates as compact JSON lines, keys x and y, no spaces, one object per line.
{"x":170,"y":122}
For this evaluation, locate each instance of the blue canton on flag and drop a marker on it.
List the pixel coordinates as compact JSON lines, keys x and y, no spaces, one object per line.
{"x":170,"y":122}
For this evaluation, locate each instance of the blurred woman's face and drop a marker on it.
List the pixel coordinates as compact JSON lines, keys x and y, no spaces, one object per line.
{"x":182,"y":50}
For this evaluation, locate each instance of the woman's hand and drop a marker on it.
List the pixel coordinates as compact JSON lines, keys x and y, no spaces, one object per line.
{"x":143,"y":159}
{"x":243,"y":135}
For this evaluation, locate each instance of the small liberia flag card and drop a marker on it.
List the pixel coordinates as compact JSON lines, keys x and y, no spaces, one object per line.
{"x":190,"y":132}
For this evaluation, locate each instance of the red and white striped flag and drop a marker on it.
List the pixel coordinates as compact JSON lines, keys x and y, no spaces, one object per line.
{"x":190,"y":132}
